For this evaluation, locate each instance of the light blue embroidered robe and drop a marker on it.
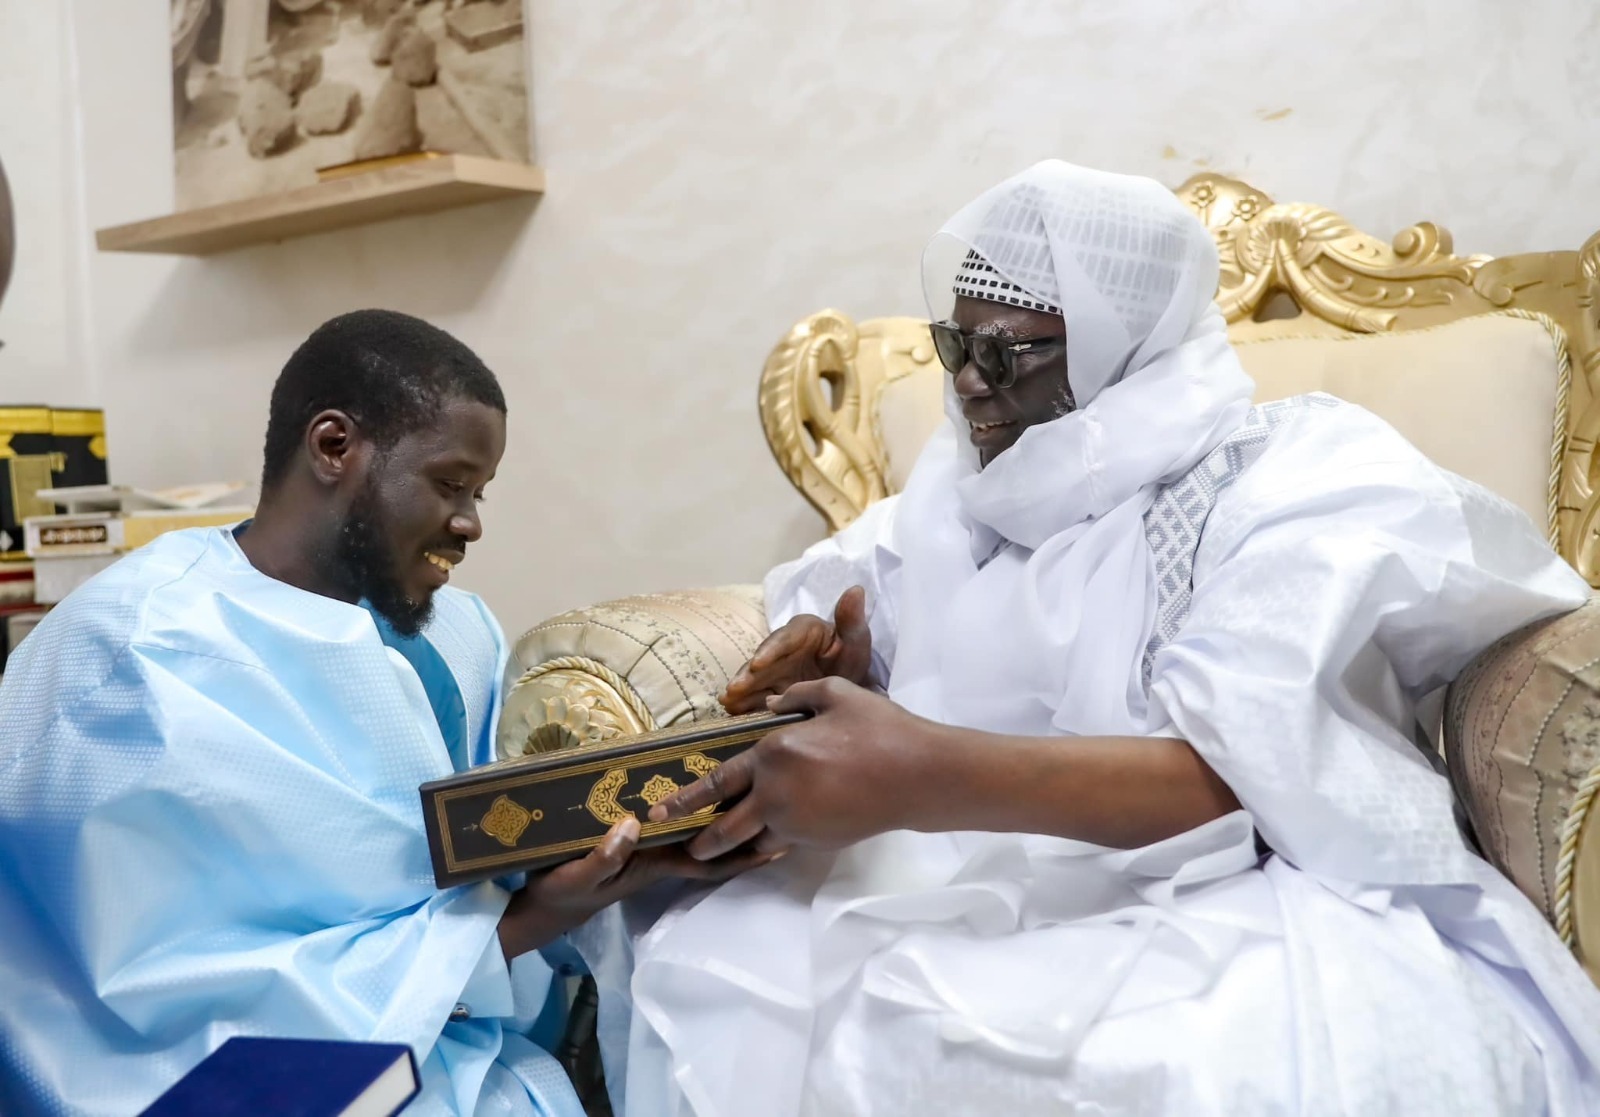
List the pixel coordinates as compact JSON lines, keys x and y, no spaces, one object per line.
{"x":209,"y":825}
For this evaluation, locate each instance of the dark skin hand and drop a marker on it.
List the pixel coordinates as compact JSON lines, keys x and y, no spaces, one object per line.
{"x":425,"y":488}
{"x":861,"y":765}
{"x":806,"y":648}
{"x":554,"y":902}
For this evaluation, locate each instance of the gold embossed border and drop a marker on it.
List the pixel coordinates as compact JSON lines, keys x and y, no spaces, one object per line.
{"x":442,"y":799}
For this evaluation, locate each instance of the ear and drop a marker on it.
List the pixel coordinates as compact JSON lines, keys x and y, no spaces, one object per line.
{"x":335,"y":447}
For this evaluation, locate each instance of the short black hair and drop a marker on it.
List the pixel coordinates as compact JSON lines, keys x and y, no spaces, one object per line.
{"x":388,"y":371}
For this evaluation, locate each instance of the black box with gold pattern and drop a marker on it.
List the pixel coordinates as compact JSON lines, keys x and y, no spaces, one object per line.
{"x":44,"y":448}
{"x":27,"y":460}
{"x":80,"y":447}
{"x":533,"y":812}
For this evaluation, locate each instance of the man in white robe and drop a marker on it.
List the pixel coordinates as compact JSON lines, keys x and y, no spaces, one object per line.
{"x":209,"y":762}
{"x":1111,"y":801}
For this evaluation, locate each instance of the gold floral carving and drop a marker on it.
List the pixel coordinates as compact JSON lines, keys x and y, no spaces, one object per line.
{"x":1580,"y":480}
{"x":602,"y":800}
{"x":700,"y":766}
{"x":1328,"y":267}
{"x":657,"y":788}
{"x":818,"y":405}
{"x":821,"y":385}
{"x":506,"y":820}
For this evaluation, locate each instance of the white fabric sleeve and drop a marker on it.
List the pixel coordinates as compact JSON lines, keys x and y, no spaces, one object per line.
{"x":862,"y":554}
{"x":1341,"y":580}
{"x":256,"y":886}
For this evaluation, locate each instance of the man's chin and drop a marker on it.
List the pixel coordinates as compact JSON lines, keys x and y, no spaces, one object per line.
{"x":987,"y":454}
{"x":406,"y":615}
{"x":994,"y":440}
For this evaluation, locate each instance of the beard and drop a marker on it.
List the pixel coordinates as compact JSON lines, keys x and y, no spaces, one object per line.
{"x":366,"y":566}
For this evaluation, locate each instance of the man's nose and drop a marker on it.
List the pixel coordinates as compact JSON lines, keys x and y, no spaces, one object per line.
{"x":970,"y":383}
{"x":467,"y":525}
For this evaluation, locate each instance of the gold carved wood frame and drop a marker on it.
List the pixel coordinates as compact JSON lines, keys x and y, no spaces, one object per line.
{"x":820,"y":388}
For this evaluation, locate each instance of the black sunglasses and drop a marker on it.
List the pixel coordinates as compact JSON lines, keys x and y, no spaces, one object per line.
{"x":996,"y":357}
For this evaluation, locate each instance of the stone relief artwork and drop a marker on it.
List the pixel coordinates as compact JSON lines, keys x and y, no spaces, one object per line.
{"x":268,"y":93}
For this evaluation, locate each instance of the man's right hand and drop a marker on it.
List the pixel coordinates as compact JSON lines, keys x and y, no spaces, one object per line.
{"x":806,"y":648}
{"x":553,"y":902}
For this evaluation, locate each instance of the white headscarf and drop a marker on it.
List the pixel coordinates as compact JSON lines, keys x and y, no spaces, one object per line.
{"x":1157,"y":386}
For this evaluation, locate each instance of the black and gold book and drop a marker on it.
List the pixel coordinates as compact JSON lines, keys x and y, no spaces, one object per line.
{"x":537,"y":811}
{"x":80,"y":447}
{"x":44,"y":448}
{"x":27,"y":462}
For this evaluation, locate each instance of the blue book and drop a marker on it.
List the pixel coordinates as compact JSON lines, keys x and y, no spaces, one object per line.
{"x":294,"y":1078}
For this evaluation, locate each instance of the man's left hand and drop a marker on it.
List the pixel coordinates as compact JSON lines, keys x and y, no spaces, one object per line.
{"x":554,"y":901}
{"x":850,"y":771}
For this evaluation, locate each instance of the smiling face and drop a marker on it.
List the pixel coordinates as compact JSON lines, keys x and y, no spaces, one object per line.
{"x":996,"y":417}
{"x":417,"y":510}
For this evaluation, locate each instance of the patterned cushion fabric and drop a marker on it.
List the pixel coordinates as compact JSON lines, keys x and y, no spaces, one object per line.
{"x":1522,"y":740}
{"x":667,"y":655}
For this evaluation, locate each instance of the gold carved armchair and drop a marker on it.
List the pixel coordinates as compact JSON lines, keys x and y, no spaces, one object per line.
{"x":1489,"y":365}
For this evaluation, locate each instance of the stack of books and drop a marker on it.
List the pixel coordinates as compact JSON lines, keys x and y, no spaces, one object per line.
{"x":40,"y":447}
{"x":18,"y":610}
{"x":104,"y":522}
{"x":43,"y":448}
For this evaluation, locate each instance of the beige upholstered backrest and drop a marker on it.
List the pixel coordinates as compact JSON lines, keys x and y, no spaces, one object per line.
{"x":1442,"y":388}
{"x":1484,"y":396}
{"x":1468,"y":357}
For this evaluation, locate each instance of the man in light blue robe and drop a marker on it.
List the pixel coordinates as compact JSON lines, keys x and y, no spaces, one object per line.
{"x":209,"y":761}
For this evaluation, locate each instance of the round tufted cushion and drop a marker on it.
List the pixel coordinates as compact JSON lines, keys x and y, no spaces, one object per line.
{"x":627,"y":666}
{"x":1522,"y":739}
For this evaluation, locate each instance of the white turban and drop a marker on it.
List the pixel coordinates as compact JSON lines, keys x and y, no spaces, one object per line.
{"x":1157,"y":384}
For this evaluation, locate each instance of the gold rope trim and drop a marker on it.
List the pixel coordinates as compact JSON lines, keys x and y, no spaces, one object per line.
{"x":594,"y":667}
{"x":1558,"y":444}
{"x":1567,"y":861}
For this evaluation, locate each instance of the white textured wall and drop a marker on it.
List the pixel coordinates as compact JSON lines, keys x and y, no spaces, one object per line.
{"x":43,"y":318}
{"x":719,"y":169}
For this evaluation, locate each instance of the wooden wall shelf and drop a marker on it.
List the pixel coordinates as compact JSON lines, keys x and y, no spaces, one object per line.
{"x":394,"y":191}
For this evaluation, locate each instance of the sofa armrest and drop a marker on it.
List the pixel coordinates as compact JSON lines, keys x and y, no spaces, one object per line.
{"x":627,"y":666}
{"x":1522,"y":741}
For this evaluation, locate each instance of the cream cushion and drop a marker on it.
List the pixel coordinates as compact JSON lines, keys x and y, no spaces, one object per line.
{"x":652,"y":661}
{"x":910,"y":409}
{"x":1443,"y":388}
{"x":1478,"y":396}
